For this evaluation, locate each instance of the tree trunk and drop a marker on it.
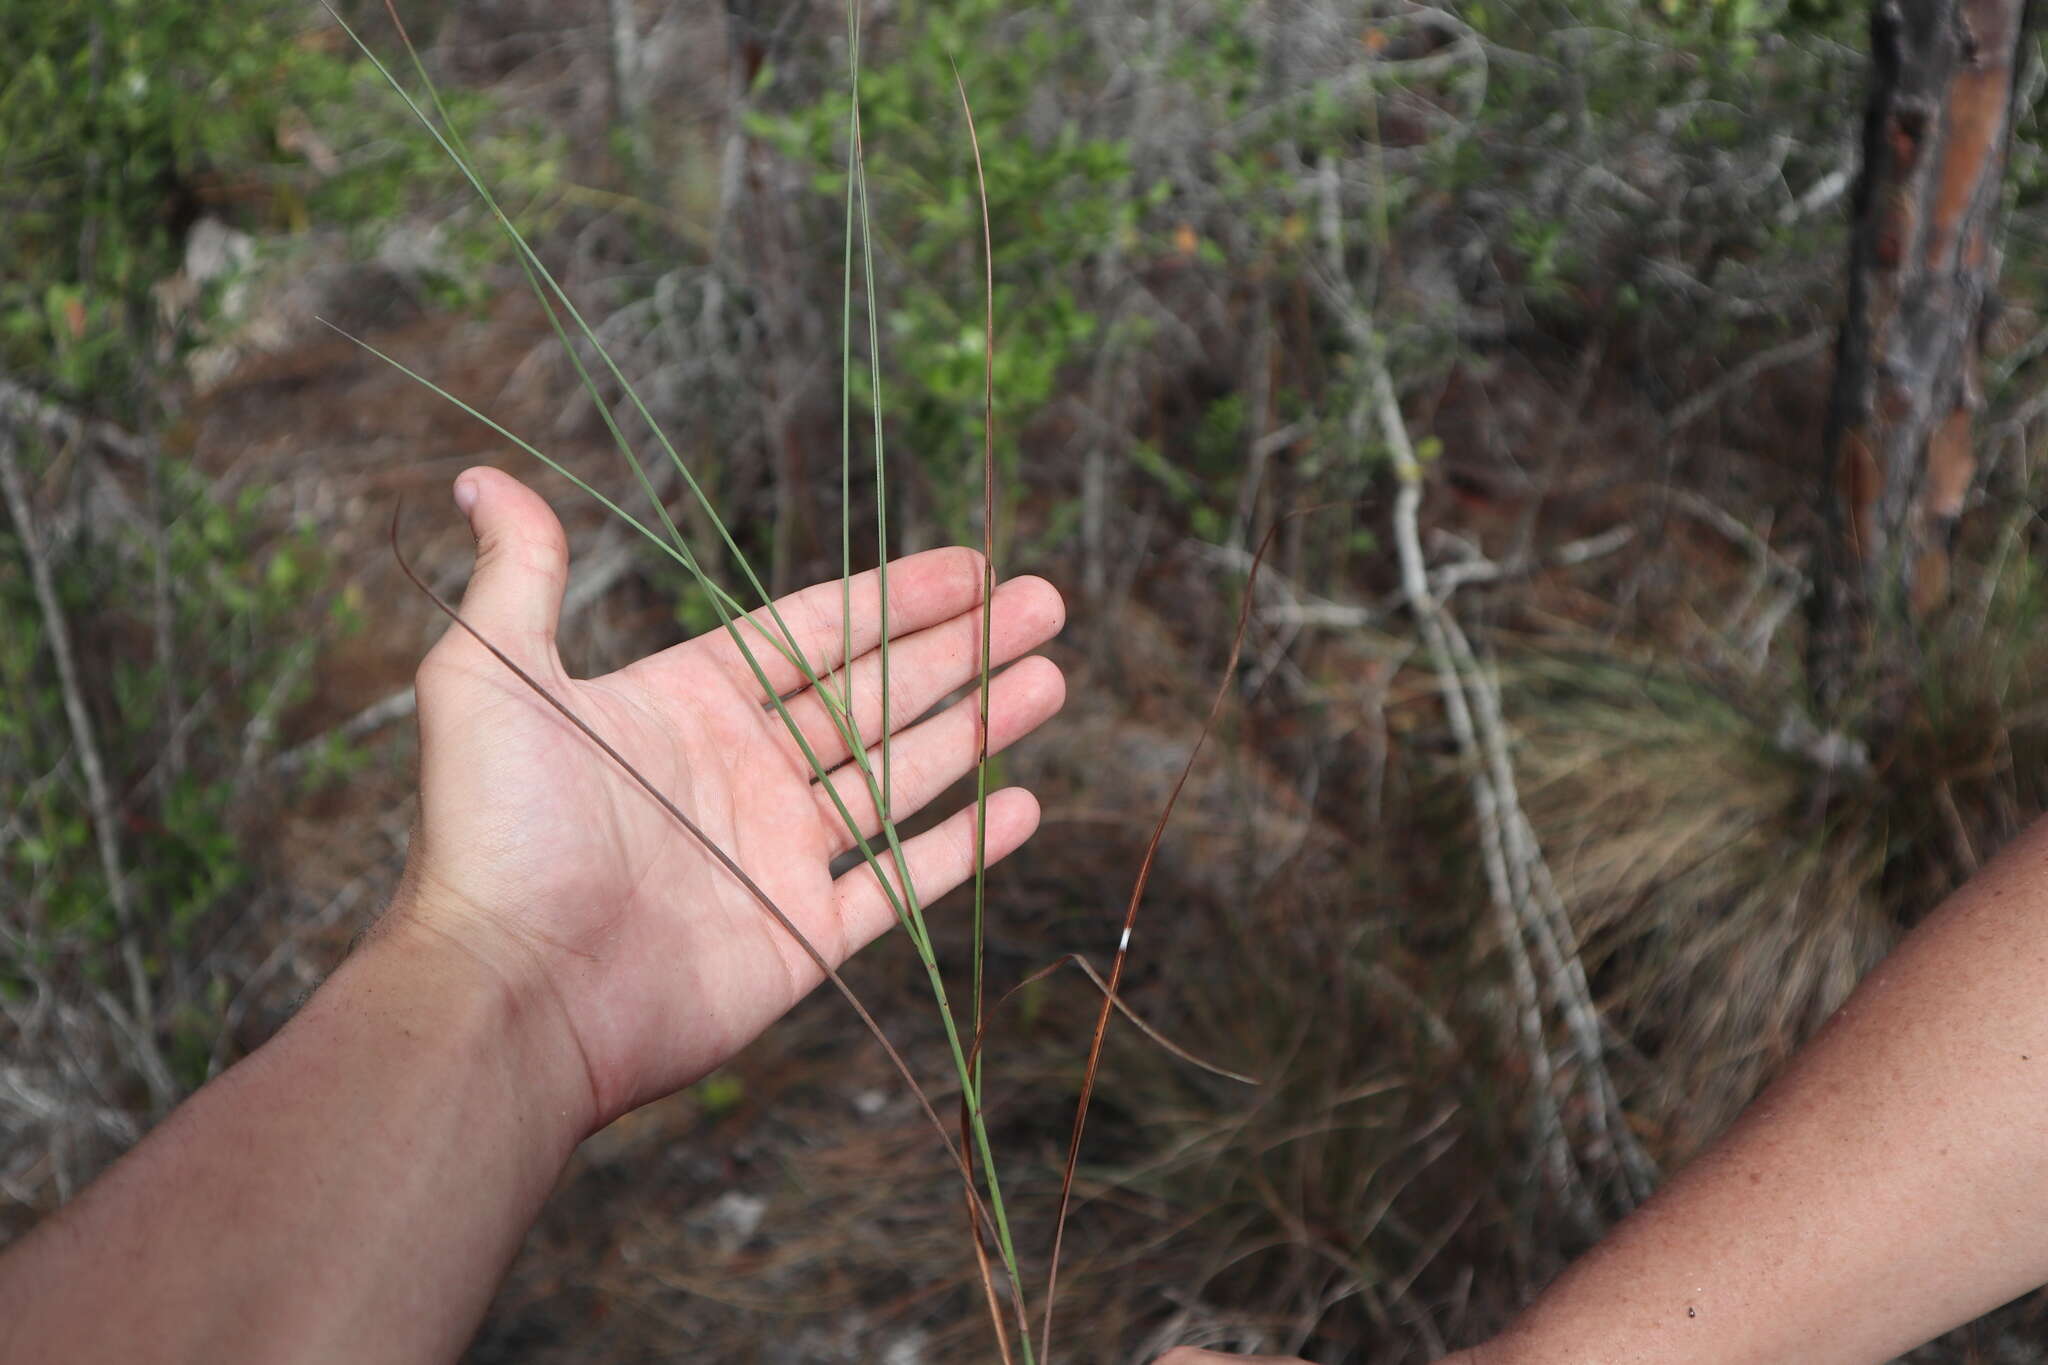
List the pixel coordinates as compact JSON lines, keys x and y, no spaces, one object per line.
{"x":1922,"y":272}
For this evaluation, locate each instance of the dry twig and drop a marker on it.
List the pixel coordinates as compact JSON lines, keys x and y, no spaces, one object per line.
{"x":106,"y":830}
{"x":1527,"y":910}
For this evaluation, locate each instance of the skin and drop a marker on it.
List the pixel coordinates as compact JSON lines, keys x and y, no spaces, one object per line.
{"x":1885,"y":1189}
{"x":559,"y":952}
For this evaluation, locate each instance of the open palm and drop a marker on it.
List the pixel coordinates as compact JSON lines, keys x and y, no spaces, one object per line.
{"x":539,"y":855}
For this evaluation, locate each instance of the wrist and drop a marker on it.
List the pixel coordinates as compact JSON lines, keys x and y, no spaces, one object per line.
{"x":497,"y":1012}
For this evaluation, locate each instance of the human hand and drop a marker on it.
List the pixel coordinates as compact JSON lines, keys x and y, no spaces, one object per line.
{"x":556,"y":874}
{"x":1189,"y":1355}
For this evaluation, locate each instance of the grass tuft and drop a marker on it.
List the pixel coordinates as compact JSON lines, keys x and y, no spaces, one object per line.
{"x":1729,"y":887}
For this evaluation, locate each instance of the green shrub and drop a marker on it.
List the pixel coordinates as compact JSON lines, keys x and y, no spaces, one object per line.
{"x":1057,"y":202}
{"x":175,"y":684}
{"x":122,"y":123}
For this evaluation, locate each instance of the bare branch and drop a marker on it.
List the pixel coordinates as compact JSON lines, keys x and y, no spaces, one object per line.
{"x":106,"y":830}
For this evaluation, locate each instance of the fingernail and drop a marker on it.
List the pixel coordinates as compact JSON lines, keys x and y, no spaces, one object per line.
{"x":465,"y":494}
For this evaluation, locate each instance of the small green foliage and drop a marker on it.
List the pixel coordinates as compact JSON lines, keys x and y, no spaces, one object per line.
{"x":693,"y":610}
{"x":719,"y":1093}
{"x":123,"y":123}
{"x":1057,"y":201}
{"x":122,"y":126}
{"x":233,"y":656}
{"x":1186,"y":491}
{"x":193,"y":1032}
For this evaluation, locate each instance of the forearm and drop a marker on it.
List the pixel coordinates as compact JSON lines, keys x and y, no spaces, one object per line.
{"x":1892,"y":1184}
{"x":351,"y":1191}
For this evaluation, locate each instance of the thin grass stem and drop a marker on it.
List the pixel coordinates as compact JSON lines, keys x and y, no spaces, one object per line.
{"x":556,"y":303}
{"x":710,"y":846}
{"x":721,"y":601}
{"x":1123,"y":947}
{"x":988,"y":563}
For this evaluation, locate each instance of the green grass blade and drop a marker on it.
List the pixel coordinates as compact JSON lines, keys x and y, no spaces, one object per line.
{"x":904,"y":907}
{"x":557,"y":303}
{"x":988,"y":565}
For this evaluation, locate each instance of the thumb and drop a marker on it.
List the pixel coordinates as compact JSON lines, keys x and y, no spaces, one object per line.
{"x":514,"y":598}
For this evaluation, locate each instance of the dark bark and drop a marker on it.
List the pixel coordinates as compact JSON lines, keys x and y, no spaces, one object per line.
{"x":1922,"y":274}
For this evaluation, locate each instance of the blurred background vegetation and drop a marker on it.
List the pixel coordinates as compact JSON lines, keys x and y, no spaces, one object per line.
{"x":1518,"y":869}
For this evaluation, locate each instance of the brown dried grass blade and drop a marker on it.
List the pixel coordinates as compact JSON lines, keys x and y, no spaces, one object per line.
{"x":981,"y":1261}
{"x":1087,"y":968}
{"x":1123,"y":948}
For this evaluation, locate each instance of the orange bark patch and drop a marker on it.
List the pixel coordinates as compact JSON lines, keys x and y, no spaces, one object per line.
{"x":1970,"y":159}
{"x":1860,"y":483}
{"x":1930,"y":581}
{"x":1951,"y":464}
{"x":1894,"y":225}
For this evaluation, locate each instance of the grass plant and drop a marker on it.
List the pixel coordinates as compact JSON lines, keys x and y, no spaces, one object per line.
{"x":1730,"y":887}
{"x":767,"y":627}
{"x":752,"y":627}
